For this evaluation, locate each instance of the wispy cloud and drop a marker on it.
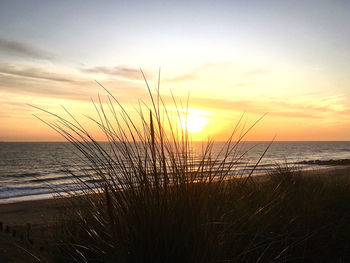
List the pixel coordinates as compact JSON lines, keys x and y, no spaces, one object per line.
{"x":117,"y":71}
{"x":12,"y":103}
{"x":312,"y":110}
{"x":36,"y":73}
{"x":193,"y":73}
{"x":183,"y":77}
{"x":11,"y":85}
{"x":40,"y":82}
{"x":233,"y":66}
{"x":23,"y":49}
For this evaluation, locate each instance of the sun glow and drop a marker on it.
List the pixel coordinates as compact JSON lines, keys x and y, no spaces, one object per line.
{"x":195,"y":121}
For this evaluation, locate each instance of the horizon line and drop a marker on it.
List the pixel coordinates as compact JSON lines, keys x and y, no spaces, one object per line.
{"x":191,"y":141}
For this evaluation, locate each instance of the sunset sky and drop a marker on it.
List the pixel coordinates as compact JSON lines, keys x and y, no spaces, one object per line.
{"x":290,"y":59}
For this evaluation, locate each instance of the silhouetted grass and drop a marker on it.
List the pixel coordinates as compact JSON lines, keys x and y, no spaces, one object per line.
{"x":151,"y":201}
{"x":299,"y":219}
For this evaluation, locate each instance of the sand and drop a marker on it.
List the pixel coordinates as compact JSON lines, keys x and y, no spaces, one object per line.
{"x":26,"y":226}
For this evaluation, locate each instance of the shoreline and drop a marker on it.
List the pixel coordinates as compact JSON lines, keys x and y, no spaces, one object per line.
{"x":37,"y":211}
{"x":305,"y":170}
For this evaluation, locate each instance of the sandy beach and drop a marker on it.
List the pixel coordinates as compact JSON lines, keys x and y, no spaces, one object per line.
{"x":25,"y":226}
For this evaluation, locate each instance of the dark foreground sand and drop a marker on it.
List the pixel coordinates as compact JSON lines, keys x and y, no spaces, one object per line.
{"x":26,"y":226}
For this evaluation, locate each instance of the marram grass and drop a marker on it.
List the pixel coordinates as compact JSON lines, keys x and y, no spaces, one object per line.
{"x":152,"y":201}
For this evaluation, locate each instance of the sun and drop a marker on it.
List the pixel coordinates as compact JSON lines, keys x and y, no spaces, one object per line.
{"x":194,"y":123}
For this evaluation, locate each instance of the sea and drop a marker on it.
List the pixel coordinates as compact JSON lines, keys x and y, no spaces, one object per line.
{"x":38,"y":170}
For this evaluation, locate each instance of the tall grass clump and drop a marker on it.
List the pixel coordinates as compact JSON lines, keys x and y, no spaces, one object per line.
{"x":149,"y":198}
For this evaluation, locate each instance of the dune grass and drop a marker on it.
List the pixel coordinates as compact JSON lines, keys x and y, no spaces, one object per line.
{"x":283,"y":217}
{"x":150,"y":199}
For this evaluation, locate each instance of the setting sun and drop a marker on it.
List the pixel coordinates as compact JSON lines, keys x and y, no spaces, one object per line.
{"x":194,"y":120}
{"x":195,"y":123}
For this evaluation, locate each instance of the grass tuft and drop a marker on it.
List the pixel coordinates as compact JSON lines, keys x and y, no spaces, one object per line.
{"x":150,"y":198}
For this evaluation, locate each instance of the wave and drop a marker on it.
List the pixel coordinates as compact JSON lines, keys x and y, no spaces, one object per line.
{"x":10,"y":192}
{"x":345,"y":150}
{"x":7,"y":193}
{"x":20,"y":175}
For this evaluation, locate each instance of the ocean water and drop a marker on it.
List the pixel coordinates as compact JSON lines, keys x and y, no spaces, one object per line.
{"x":39,"y":170}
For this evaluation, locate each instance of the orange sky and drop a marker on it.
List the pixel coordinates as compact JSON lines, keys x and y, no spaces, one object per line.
{"x":290,"y":61}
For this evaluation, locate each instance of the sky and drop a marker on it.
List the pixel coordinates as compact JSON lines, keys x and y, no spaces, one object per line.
{"x":289,"y":59}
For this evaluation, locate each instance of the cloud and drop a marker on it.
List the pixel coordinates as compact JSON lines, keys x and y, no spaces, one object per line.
{"x":36,"y":73}
{"x":183,"y":77}
{"x":11,"y":85}
{"x":311,"y":110}
{"x":27,"y":80}
{"x":190,"y":75}
{"x":195,"y":72}
{"x":12,"y":103}
{"x":23,"y":49}
{"x":220,"y":66}
{"x":118,"y":71}
{"x":39,"y":82}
